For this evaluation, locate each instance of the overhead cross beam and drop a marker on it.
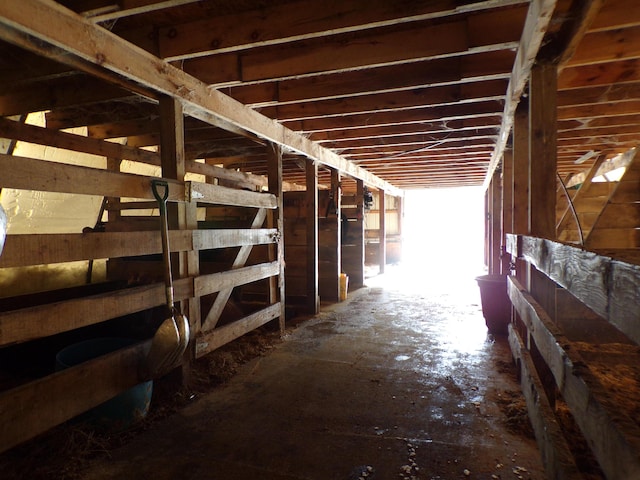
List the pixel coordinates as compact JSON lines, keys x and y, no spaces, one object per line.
{"x":535,"y":28}
{"x":29,"y":23}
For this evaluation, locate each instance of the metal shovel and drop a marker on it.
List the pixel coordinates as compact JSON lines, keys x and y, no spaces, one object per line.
{"x":172,"y":337}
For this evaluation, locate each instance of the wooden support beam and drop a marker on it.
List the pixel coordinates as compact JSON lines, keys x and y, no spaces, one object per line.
{"x":357,"y":277}
{"x":276,"y":220}
{"x":507,"y":207}
{"x":29,"y":25}
{"x":382,"y":231}
{"x":313,"y":299}
{"x":535,"y":28}
{"x":495,"y":224}
{"x":543,"y":151}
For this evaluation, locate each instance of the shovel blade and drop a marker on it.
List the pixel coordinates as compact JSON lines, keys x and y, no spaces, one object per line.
{"x":165,"y":344}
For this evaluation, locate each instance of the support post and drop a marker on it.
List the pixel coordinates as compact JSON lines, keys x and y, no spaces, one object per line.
{"x":507,"y":207}
{"x":313,"y":300}
{"x":495,"y":232}
{"x":276,"y":220}
{"x":181,"y":216}
{"x":382,"y":233}
{"x":357,"y":279}
{"x":543,"y":150}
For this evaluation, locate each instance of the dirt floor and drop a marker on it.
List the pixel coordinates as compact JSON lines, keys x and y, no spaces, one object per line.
{"x":401,"y":381}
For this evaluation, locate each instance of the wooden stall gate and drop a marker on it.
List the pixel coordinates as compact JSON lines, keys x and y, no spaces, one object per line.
{"x":39,"y":400}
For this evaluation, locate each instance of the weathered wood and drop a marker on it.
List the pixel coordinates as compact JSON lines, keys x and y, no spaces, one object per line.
{"x":382,"y":231}
{"x":17,"y":326}
{"x":214,"y":314}
{"x":311,"y":220}
{"x":31,"y":174}
{"x":277,"y":285}
{"x":556,"y":456}
{"x":78,"y":143}
{"x":113,"y":54}
{"x":536,"y":25}
{"x":542,"y":151}
{"x":495,"y":226}
{"x":590,"y":278}
{"x":214,"y":339}
{"x":613,"y":437}
{"x":35,"y":407}
{"x":215,"y":282}
{"x":216,"y":194}
{"x":302,"y":21}
{"x":520,"y":182}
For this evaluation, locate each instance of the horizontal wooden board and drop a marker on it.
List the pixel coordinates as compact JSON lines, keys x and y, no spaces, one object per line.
{"x":17,"y":326}
{"x":35,"y":407}
{"x":613,"y":437}
{"x":210,"y":341}
{"x":215,"y":282}
{"x":556,"y":455}
{"x":24,"y":250}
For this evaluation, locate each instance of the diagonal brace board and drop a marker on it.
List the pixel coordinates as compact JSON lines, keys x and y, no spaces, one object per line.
{"x":223,"y":296}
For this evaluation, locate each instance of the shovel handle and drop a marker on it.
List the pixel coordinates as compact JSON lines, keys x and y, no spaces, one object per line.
{"x":161,"y":197}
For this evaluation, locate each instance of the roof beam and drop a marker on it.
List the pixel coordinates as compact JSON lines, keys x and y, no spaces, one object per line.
{"x":31,"y":22}
{"x":278,"y":24}
{"x":535,"y":27}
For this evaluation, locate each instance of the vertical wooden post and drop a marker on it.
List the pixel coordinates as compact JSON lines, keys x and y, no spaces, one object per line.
{"x":400,"y":207}
{"x":507,"y":206}
{"x":543,"y":150}
{"x":382,"y":233}
{"x":495,"y":231}
{"x":520,"y":180}
{"x":337,"y":198}
{"x":357,"y":277}
{"x":311,"y":170}
{"x":276,"y":220}
{"x":542,"y":188}
{"x":179,"y":216}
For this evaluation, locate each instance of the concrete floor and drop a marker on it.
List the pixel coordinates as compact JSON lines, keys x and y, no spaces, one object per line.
{"x":400,"y":381}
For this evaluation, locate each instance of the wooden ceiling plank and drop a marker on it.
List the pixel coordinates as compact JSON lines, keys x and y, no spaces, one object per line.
{"x":34,"y":21}
{"x":278,"y":24}
{"x":448,"y":113}
{"x":607,"y":46}
{"x":537,"y":22}
{"x":135,"y":7}
{"x":600,"y":74}
{"x":415,"y":99}
{"x":339,"y":54}
{"x":466,"y":68}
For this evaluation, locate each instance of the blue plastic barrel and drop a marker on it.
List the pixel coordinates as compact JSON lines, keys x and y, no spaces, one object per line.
{"x":121,"y":411}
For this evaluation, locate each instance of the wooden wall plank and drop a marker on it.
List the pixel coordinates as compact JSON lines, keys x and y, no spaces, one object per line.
{"x":556,"y":456}
{"x":17,"y":326}
{"x":35,"y":407}
{"x":215,"y":282}
{"x":613,"y":437}
{"x":208,"y":342}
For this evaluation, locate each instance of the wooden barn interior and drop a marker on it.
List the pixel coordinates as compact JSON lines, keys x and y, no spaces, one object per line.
{"x":284,"y":135}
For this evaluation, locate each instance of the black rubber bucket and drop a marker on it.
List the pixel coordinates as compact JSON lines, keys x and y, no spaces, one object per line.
{"x":121,"y":411}
{"x":496,"y":306}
